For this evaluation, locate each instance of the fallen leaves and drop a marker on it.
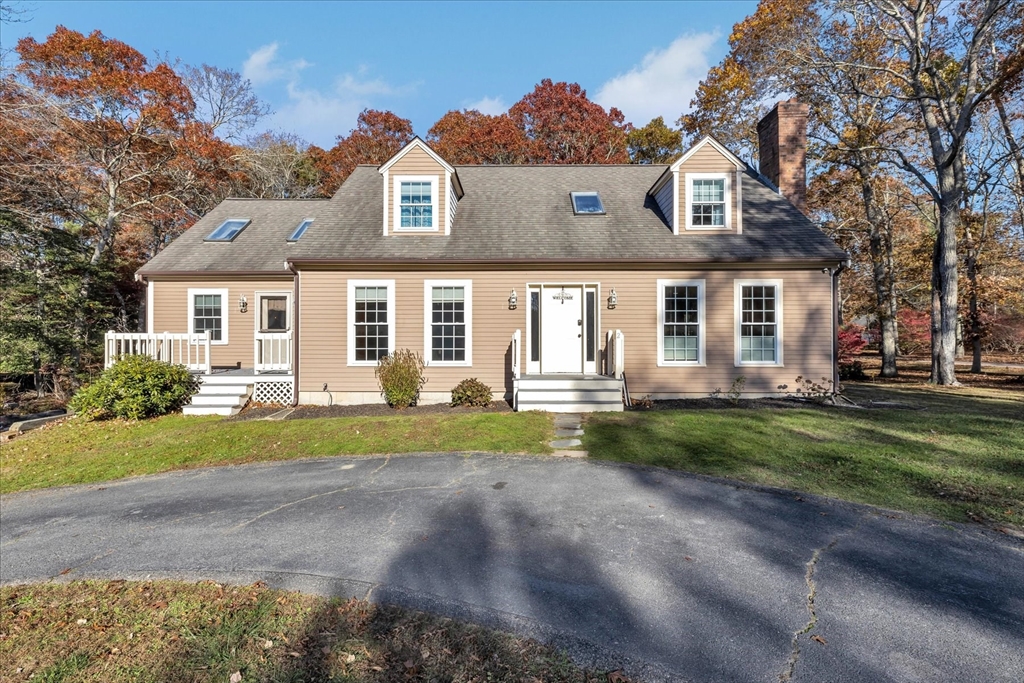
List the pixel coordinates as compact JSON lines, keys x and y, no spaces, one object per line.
{"x":819,"y":639}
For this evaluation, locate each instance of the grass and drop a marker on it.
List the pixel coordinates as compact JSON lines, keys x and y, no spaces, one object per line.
{"x":77,"y":452}
{"x":958,"y":454}
{"x":111,"y":631}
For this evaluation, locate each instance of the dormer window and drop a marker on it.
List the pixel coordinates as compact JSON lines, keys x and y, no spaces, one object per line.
{"x":300,"y":230}
{"x":228,"y":230}
{"x":587,"y":204}
{"x":707,"y":201}
{"x":416,"y":203}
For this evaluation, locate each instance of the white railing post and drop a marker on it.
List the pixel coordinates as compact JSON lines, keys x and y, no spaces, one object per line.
{"x":208,"y":369}
{"x":516,"y":337}
{"x":620,"y":354}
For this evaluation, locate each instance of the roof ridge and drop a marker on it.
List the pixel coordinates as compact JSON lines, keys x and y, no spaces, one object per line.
{"x":559,"y":165}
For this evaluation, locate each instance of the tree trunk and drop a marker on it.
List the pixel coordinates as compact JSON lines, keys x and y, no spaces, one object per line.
{"x":944,"y":282}
{"x":882,"y":277}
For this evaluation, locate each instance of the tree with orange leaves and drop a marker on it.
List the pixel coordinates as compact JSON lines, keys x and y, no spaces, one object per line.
{"x":377,"y":137}
{"x":469,"y":137}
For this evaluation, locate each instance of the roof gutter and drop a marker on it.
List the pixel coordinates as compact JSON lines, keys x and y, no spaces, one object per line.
{"x":377,"y":262}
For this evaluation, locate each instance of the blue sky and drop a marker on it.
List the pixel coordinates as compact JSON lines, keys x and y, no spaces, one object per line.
{"x":318,"y":64}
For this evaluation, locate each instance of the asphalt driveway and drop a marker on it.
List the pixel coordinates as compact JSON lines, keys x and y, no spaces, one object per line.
{"x":673,"y":577}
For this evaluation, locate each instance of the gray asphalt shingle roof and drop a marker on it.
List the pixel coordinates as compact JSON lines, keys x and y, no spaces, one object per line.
{"x":507,"y":213}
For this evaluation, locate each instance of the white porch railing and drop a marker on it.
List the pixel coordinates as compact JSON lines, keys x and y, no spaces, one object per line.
{"x":190,"y":350}
{"x":272,"y":351}
{"x":615,"y":354}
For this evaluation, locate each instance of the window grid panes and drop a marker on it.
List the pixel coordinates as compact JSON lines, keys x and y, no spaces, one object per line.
{"x":448,"y":324}
{"x":415,"y":205}
{"x":682,"y":323}
{"x":758,"y":322}
{"x":591,"y":324}
{"x":371,"y":322}
{"x":708,"y":203}
{"x":206,"y":315}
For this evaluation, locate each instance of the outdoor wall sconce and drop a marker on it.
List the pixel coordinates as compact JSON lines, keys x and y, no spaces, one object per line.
{"x":613,"y":300}
{"x":513,"y":300}
{"x":243,"y":304}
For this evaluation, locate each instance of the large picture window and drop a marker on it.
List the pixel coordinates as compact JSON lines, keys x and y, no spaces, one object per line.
{"x":759,"y":323}
{"x":371,"y":305}
{"x":207,"y":312}
{"x":448,"y":322}
{"x":681,"y":322}
{"x":707,"y":201}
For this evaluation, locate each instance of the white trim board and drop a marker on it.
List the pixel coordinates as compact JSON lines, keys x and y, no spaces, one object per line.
{"x":415,"y":143}
{"x":701,"y":324}
{"x":435,"y":202}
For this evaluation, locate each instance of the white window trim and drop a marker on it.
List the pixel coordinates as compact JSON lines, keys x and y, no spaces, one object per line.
{"x":225,"y":306}
{"x":396,"y":201}
{"x":428,"y":286}
{"x":690,"y":177}
{"x":350,"y":305}
{"x":738,"y":286}
{"x":701,"y":326}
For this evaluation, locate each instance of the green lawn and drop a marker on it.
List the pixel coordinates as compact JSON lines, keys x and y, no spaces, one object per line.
{"x":113,"y":631}
{"x":959,"y":457}
{"x":82,"y":452}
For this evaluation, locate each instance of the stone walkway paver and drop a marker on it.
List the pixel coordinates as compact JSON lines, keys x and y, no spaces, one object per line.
{"x":568,"y":426}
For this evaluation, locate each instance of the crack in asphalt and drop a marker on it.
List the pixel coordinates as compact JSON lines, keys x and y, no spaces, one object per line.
{"x":812,"y":593}
{"x":286,"y":505}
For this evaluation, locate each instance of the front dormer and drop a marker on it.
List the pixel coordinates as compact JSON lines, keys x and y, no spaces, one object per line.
{"x":702,"y":192}
{"x":421,"y":192}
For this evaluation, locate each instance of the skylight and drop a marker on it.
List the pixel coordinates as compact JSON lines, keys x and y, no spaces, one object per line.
{"x":228,"y":230}
{"x":587,"y":203}
{"x":301,"y":230}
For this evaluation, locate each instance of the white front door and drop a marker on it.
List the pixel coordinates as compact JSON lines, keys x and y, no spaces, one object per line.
{"x":561,"y":329}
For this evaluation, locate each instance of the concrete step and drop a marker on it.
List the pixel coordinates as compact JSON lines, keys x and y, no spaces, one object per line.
{"x":210,"y":410}
{"x":224,"y":390}
{"x":577,"y":395}
{"x":570,"y":407}
{"x":570,"y":383}
{"x":222,"y":400}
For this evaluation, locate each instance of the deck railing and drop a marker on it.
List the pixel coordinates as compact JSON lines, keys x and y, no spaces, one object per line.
{"x":273,"y":351}
{"x":615,"y":354}
{"x":191,"y":350}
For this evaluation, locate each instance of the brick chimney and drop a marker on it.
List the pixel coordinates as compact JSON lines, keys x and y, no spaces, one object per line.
{"x":782,"y":139}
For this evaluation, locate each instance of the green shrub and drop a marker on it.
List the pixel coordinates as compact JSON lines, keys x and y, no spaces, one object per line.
{"x":134,"y":388}
{"x":400,"y":375}
{"x":471,"y":392}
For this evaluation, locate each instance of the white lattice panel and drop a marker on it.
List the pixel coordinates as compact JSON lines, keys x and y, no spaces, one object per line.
{"x":272,"y":392}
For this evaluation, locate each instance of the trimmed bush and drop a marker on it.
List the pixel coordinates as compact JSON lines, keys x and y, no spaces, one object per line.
{"x":400,"y":376}
{"x":134,"y":388}
{"x":471,"y":392}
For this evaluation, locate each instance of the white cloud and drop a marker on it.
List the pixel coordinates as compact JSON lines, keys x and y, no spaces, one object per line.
{"x":317,"y":115}
{"x":664,"y":82}
{"x":491,"y":106}
{"x":263,"y":66}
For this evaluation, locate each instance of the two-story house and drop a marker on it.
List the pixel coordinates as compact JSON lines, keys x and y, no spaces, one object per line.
{"x":549,"y":283}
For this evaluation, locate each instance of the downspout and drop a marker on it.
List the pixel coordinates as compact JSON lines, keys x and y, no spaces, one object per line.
{"x":835,"y":323}
{"x":295,"y":334}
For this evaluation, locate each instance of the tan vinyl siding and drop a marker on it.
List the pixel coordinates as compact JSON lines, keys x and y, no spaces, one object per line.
{"x":807,"y":328}
{"x":664,"y":198}
{"x":418,"y":162}
{"x":170,"y":312}
{"x":706,"y":160}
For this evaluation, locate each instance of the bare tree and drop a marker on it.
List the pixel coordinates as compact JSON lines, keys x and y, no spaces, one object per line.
{"x":224,"y":99}
{"x":277,"y":165}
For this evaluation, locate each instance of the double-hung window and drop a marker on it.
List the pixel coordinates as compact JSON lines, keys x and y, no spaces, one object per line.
{"x":707,"y":201}
{"x":681,"y":322}
{"x":758,"y":322}
{"x":448,"y":318}
{"x":416,"y":203}
{"x":371,"y":328}
{"x":207,"y":312}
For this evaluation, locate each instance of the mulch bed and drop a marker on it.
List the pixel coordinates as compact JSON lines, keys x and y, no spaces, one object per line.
{"x":258,"y":412}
